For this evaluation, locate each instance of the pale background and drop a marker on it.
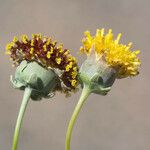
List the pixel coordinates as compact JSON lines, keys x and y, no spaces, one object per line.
{"x":119,"y":121}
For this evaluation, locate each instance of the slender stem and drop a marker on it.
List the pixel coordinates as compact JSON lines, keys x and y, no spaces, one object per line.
{"x":85,"y":93}
{"x":26,"y":97}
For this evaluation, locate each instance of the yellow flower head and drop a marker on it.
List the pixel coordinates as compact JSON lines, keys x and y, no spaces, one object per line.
{"x":45,"y":51}
{"x":116,"y":55}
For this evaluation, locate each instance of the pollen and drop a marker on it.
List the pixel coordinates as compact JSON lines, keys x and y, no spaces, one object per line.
{"x":66,"y":52}
{"x":31,"y":50}
{"x":74,"y":83}
{"x":60,"y":46}
{"x":75,"y":68}
{"x":51,"y":50}
{"x":32,"y":42}
{"x":40,"y":36}
{"x":116,"y":55}
{"x":48,"y":41}
{"x":33,"y":36}
{"x":48,"y":54}
{"x":58,"y":60}
{"x":74,"y":74}
{"x":15,"y":39}
{"x":9,"y":46}
{"x":24,"y":39}
{"x":69,"y":66}
{"x":45,"y":48}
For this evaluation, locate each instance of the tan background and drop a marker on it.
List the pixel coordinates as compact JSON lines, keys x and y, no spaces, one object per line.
{"x":119,"y":121}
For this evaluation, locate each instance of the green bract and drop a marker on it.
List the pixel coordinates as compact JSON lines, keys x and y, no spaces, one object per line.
{"x":42,"y":81}
{"x":97,"y":75}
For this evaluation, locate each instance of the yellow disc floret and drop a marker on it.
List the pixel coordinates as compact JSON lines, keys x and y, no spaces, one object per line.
{"x":116,"y":55}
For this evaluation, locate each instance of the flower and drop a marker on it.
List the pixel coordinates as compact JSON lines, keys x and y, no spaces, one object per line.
{"x":49,"y":55}
{"x":117,"y":56}
{"x":107,"y":60}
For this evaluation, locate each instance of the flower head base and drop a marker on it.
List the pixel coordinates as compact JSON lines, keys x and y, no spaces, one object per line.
{"x":97,"y":76}
{"x":43,"y":82}
{"x":47,"y":54}
{"x":117,"y":56}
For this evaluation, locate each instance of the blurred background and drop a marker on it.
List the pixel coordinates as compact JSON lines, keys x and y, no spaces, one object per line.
{"x":118,"y":121}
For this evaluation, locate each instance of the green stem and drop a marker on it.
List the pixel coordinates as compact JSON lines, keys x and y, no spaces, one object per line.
{"x":26,"y":97}
{"x":85,"y":93}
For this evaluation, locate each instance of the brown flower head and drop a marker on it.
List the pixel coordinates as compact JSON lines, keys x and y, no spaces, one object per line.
{"x":48,"y":54}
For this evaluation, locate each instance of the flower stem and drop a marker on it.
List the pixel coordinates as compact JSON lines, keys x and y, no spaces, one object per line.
{"x":85,"y":93}
{"x":26,"y":97}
